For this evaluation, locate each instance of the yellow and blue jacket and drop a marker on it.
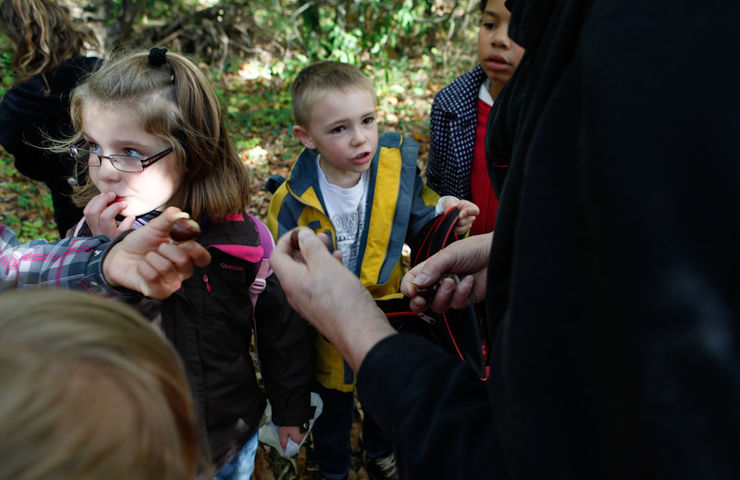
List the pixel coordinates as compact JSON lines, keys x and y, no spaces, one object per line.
{"x":400,"y":206}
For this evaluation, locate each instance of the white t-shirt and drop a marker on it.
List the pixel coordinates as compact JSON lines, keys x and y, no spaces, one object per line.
{"x":345,"y":208}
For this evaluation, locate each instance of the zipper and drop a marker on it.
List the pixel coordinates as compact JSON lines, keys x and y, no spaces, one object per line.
{"x":208,"y":285}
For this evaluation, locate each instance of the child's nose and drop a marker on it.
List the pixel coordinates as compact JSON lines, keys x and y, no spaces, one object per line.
{"x":501,"y":36}
{"x":358,"y":137}
{"x":107,"y":171}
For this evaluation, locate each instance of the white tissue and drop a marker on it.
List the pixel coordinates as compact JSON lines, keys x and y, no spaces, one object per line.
{"x":268,"y":433}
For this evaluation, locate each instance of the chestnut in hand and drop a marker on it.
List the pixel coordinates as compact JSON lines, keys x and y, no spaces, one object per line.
{"x":184,"y":229}
{"x":294,"y":243}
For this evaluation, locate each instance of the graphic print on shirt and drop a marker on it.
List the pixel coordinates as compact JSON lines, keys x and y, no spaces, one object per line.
{"x":348,"y":227}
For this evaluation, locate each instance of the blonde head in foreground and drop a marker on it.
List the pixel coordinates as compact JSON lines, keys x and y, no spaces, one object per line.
{"x":90,"y":391}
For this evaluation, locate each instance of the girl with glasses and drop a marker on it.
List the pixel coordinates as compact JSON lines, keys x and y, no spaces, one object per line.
{"x":149,"y":132}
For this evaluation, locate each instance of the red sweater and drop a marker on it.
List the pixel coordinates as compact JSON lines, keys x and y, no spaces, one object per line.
{"x":480,"y":185}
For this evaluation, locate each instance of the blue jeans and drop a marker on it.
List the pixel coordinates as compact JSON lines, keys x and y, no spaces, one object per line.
{"x":331,"y":434}
{"x":241,"y":467}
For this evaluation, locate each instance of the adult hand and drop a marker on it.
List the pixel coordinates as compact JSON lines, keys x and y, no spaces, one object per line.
{"x":147,"y":262}
{"x":100,"y":215}
{"x":467,"y":258}
{"x":328,"y":295}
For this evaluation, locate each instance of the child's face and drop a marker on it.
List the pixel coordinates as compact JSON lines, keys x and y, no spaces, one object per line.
{"x":343,"y":129}
{"x":117,"y":129}
{"x":497,"y":53}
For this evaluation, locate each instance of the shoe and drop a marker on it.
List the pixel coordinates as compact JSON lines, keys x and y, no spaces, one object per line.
{"x":382,"y":468}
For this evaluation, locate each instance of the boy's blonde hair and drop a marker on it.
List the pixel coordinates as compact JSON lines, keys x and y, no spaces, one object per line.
{"x":178,"y":104}
{"x":314,"y":81}
{"x":90,"y":391}
{"x":43,"y":35}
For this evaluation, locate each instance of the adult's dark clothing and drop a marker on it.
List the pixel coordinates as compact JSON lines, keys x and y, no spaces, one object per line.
{"x":613,"y":286}
{"x":34,"y":110}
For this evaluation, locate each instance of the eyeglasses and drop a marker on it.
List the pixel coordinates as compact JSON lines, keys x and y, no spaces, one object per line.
{"x":122,"y":163}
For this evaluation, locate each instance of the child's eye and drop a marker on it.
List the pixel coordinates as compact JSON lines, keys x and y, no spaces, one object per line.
{"x":130,"y":152}
{"x":490,"y":25}
{"x":338,"y":130}
{"x":368,"y":120}
{"x":93,"y":147}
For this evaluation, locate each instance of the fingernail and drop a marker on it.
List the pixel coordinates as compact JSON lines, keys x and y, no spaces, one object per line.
{"x":421,"y":279}
{"x":304,"y":233}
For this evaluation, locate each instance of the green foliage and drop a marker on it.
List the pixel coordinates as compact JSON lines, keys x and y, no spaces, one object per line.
{"x":402,"y":45}
{"x":25,"y":205}
{"x":262,"y":106}
{"x":114,"y":9}
{"x":6,"y":71}
{"x":351,"y":30}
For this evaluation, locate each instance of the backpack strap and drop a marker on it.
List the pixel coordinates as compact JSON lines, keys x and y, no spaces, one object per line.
{"x":434,"y":236}
{"x":264,"y":269}
{"x":78,"y":227}
{"x":457,"y":330}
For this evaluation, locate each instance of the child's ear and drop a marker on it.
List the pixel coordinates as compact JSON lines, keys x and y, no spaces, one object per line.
{"x":304,"y":137}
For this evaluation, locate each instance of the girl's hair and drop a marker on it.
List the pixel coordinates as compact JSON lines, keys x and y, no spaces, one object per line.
{"x":482,"y":6}
{"x":314,"y":81}
{"x":178,"y":104}
{"x":43,"y":35}
{"x":90,"y":390}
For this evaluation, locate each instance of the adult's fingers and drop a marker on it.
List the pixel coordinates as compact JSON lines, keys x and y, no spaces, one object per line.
{"x":152,"y":284}
{"x":313,"y":248}
{"x":197,"y":253}
{"x":162,"y":223}
{"x":184,"y":255}
{"x":299,"y":246}
{"x":162,"y":276}
{"x":427,"y":273}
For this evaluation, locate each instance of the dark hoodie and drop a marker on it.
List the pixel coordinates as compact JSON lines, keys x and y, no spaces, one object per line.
{"x":34,"y":110}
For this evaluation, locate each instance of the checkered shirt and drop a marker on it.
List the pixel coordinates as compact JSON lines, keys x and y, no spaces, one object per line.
{"x":69,"y":263}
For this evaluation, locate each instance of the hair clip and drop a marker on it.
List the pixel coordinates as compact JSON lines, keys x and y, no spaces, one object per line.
{"x":157,"y":57}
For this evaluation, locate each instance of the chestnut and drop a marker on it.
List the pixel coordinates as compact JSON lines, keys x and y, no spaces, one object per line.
{"x":184,"y":229}
{"x":294,"y":244}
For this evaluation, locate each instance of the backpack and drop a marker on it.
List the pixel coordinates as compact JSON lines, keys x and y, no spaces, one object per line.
{"x":263,"y":269}
{"x":458,"y":331}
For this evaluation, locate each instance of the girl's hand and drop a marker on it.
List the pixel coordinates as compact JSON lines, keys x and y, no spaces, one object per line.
{"x":294,"y":433}
{"x":468,"y":212}
{"x":100,"y":215}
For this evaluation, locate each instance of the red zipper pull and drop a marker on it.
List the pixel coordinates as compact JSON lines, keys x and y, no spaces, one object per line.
{"x":208,"y":285}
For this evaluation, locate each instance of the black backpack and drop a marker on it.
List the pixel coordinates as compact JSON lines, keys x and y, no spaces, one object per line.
{"x":460,"y":332}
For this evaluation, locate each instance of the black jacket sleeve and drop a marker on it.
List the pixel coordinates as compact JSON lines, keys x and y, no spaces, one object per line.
{"x":286,"y":355}
{"x":25,"y":117}
{"x":39,"y":108}
{"x":437,"y":410}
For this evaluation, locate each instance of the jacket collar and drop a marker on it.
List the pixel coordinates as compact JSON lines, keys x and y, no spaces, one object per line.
{"x":303,"y":181}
